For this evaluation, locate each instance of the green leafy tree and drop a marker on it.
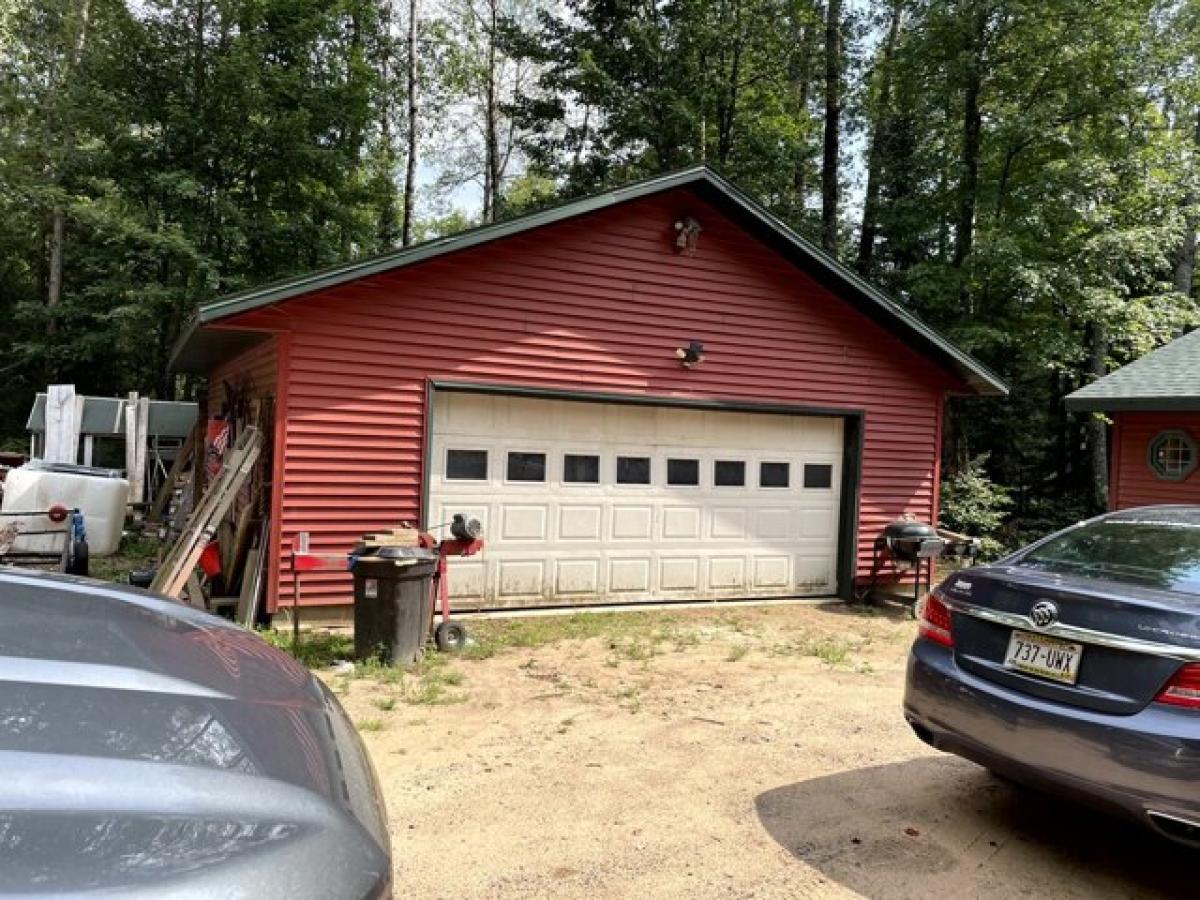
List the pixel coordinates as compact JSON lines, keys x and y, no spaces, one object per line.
{"x":156,"y":154}
{"x":974,"y":505}
{"x":1027,"y":204}
{"x":633,"y":88}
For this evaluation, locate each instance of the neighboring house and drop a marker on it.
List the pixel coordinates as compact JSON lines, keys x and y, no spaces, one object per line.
{"x":539,"y":374}
{"x":1154,"y":403}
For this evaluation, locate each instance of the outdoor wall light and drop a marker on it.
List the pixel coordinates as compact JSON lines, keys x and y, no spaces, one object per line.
{"x":691,"y":355}
{"x":687,"y":235}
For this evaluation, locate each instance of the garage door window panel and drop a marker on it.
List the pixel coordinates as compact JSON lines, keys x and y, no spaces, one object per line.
{"x":818,"y":476}
{"x":683,"y":472}
{"x":776,"y":475}
{"x":633,"y":470}
{"x":729,"y":473}
{"x":581,"y":468}
{"x":525,"y":467}
{"x":466,"y":465}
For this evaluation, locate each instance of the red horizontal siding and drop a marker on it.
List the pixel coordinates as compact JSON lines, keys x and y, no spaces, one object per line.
{"x":1133,"y":481}
{"x":255,"y":372}
{"x":598,"y":303}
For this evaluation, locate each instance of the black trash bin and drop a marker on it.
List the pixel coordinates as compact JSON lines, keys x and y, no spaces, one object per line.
{"x":393,"y":602}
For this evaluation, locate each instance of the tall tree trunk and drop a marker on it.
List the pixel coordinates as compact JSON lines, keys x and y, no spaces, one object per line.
{"x":879,"y":140}
{"x":1185,"y":257}
{"x":803,"y":83}
{"x":727,"y":104}
{"x":54,"y":249}
{"x":727,"y":114}
{"x":387,"y":227}
{"x":56,"y":242}
{"x":1096,"y":430}
{"x":493,"y":175}
{"x":198,"y":57}
{"x":972,"y":127}
{"x":1062,"y":430}
{"x":581,"y":140}
{"x":833,"y":110}
{"x":410,"y":164}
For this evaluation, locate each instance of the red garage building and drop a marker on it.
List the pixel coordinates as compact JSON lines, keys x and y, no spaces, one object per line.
{"x":1155,"y":407}
{"x":657,"y":392}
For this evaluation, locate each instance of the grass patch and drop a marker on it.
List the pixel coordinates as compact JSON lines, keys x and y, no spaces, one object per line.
{"x":318,"y":649}
{"x":635,"y":649}
{"x":683,"y":640}
{"x":492,"y":636}
{"x":431,"y":692}
{"x":370,"y":725}
{"x":736,"y":622}
{"x":381,"y":673}
{"x":736,"y":652}
{"x":428,"y":682}
{"x":831,"y":651}
{"x":425,"y":683}
{"x":136,"y":551}
{"x":630,"y":698}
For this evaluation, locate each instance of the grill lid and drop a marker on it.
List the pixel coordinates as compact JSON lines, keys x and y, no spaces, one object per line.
{"x":909,"y":528}
{"x":910,"y":540}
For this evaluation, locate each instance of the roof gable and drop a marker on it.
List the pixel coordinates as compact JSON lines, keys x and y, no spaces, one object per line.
{"x":1165,"y":379}
{"x":760,"y":222}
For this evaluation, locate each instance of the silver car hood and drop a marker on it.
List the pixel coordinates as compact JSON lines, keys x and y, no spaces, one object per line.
{"x":151,"y":749}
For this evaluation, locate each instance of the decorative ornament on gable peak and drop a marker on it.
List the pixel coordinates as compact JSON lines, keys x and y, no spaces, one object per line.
{"x":687,"y":235}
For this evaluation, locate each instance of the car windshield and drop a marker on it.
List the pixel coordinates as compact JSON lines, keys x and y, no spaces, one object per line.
{"x":1135,"y":551}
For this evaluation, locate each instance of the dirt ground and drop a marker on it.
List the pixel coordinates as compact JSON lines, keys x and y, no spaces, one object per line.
{"x":725,"y":753}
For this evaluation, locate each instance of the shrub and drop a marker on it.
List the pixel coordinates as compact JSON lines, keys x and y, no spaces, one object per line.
{"x":973,"y":504}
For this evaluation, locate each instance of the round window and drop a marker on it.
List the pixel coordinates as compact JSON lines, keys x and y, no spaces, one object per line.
{"x":1173,"y":455}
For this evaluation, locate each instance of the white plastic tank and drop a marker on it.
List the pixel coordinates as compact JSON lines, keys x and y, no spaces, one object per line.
{"x":100,"y":494}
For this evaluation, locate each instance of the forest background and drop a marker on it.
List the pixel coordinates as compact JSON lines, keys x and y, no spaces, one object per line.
{"x":1021,"y":174}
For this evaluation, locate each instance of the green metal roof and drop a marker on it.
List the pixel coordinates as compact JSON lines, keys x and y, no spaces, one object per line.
{"x":106,"y":416}
{"x":1165,"y":379}
{"x":700,"y":178}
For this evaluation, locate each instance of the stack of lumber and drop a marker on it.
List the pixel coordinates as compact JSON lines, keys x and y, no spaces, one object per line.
{"x":404,"y":536}
{"x":202,"y":525}
{"x":172,"y":483}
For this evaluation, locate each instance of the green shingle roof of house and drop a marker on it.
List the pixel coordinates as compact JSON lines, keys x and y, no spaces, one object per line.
{"x":1166,"y":379}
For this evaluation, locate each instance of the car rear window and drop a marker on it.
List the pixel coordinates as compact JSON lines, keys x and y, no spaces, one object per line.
{"x":1135,"y":551}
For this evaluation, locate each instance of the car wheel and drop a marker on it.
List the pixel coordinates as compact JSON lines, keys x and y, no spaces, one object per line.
{"x":450,"y":635}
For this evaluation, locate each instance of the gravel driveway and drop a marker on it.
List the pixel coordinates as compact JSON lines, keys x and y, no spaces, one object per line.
{"x":714,"y":753}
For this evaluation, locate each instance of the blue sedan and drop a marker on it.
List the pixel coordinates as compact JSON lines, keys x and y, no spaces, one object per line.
{"x":1073,"y":666}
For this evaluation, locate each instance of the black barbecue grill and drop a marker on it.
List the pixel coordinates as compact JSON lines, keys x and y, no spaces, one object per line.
{"x":908,"y":545}
{"x":910,"y":541}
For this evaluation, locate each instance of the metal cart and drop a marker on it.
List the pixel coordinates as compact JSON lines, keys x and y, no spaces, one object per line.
{"x":72,"y":556}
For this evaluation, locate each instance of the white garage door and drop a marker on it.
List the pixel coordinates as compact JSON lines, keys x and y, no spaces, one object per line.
{"x":586,"y":502}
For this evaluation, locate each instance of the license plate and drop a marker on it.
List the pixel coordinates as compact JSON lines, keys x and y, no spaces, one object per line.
{"x":1046,"y":657}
